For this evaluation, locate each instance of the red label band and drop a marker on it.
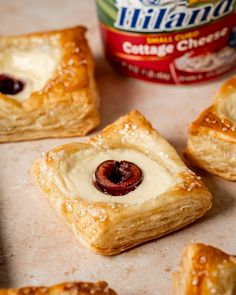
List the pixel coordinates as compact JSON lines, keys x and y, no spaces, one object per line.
{"x":181,"y":57}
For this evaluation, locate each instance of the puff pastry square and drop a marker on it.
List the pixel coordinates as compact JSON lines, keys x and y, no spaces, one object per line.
{"x":58,"y":97}
{"x":212,"y":137}
{"x":73,"y":288}
{"x":169,"y":197}
{"x":205,"y":270}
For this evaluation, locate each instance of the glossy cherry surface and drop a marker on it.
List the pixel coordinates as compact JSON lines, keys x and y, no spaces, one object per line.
{"x":117,"y":178}
{"x":9,"y":85}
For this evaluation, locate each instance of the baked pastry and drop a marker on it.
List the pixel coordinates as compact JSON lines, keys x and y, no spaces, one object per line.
{"x":125,"y":187}
{"x":212,"y":137}
{"x":200,"y":1}
{"x":47,"y":86}
{"x":73,"y":288}
{"x":205,"y":270}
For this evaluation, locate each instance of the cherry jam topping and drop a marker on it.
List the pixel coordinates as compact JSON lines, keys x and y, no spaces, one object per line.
{"x":117,"y":178}
{"x":9,"y":85}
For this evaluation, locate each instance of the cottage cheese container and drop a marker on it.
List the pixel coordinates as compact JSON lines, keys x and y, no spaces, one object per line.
{"x":167,"y":41}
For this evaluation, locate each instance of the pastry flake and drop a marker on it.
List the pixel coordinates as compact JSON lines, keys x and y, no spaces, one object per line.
{"x":47,"y":86}
{"x":212,"y":137}
{"x":72,"y":288}
{"x":164,"y":197}
{"x":205,"y":270}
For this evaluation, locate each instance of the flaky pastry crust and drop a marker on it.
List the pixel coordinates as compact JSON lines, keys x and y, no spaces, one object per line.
{"x":212,"y":137}
{"x":116,"y":224}
{"x":205,"y":270}
{"x":67,"y":105}
{"x":72,"y":288}
{"x":200,"y":1}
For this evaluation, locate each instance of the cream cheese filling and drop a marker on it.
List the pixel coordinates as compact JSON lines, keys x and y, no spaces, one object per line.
{"x":76,"y":175}
{"x":228,"y":107}
{"x":34,"y":64}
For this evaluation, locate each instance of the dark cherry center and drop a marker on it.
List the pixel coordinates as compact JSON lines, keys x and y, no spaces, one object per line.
{"x":9,"y":85}
{"x":117,"y":178}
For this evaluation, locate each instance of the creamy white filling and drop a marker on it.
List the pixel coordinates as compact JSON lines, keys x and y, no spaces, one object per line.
{"x":228,"y":107}
{"x":34,"y":64}
{"x":76,"y":176}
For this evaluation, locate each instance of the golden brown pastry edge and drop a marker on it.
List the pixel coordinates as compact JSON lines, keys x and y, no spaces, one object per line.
{"x":100,"y":235}
{"x":211,"y":126}
{"x":67,"y":288}
{"x":79,"y":101}
{"x":199,"y":273}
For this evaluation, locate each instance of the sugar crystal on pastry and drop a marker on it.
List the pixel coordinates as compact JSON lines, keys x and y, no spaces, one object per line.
{"x":168,"y":197}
